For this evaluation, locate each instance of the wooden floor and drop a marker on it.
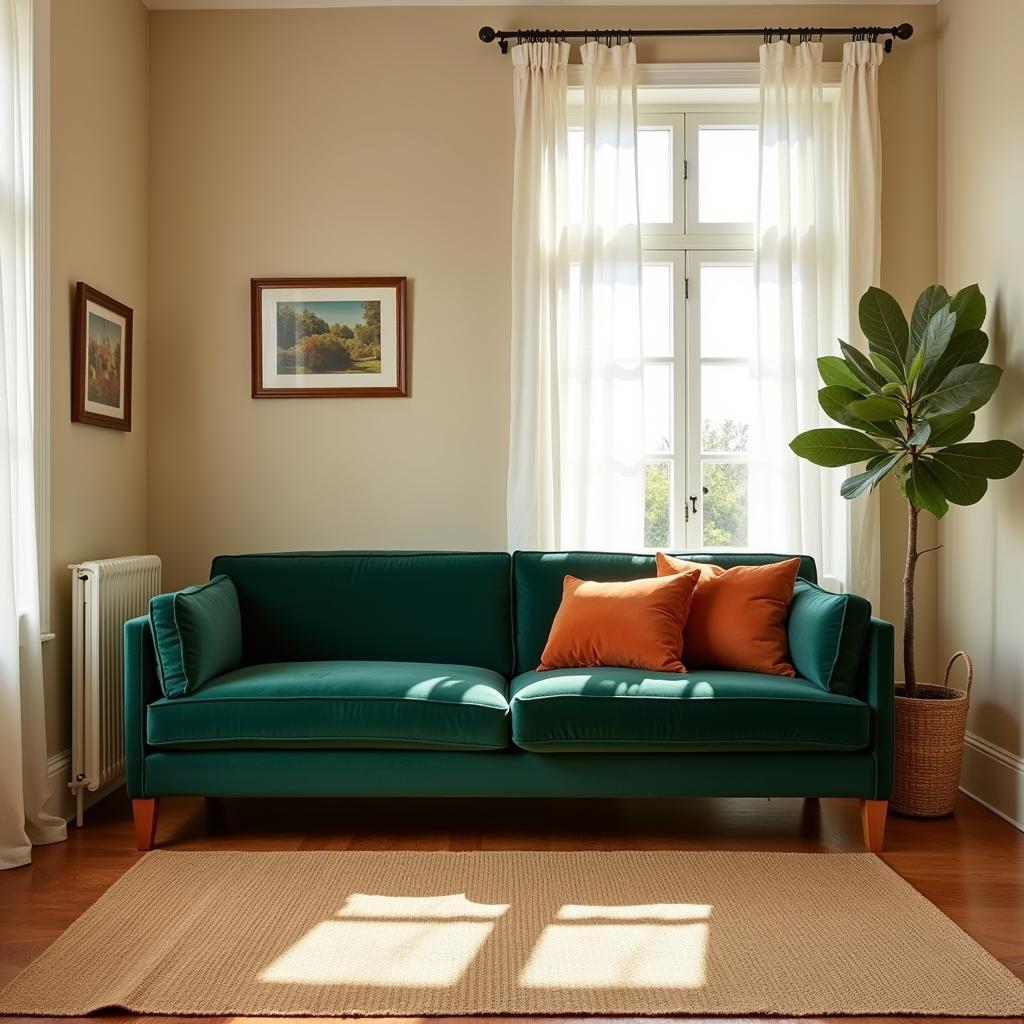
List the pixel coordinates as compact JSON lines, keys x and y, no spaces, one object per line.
{"x":970,"y":865}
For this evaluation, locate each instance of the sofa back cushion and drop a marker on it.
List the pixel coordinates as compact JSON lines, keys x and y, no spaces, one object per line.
{"x":826,"y":636}
{"x":450,"y":607}
{"x":197,"y":634}
{"x":538,"y":576}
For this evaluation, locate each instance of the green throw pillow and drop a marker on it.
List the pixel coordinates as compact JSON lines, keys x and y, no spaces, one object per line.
{"x":826,"y":636}
{"x":197,"y":633}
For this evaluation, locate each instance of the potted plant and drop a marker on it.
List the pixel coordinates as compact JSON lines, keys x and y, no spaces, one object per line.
{"x":906,"y":408}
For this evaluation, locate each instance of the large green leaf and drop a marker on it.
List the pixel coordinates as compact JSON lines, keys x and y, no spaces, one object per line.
{"x":884,"y":325}
{"x":835,"y":373}
{"x":921,"y":433}
{"x":862,"y":369}
{"x":877,"y":470}
{"x":993,"y":460}
{"x":950,"y":427}
{"x":924,"y":490}
{"x":935,"y":342}
{"x":959,"y":488}
{"x":875,"y":410}
{"x":914,"y":371}
{"x":928,"y":304}
{"x":836,"y":401}
{"x":835,"y":446}
{"x":888,"y":369}
{"x":964,"y":348}
{"x":966,"y":389}
{"x":969,"y":306}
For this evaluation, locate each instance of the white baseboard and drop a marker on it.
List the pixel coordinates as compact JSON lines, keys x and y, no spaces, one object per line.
{"x":995,"y":778}
{"x":62,"y":801}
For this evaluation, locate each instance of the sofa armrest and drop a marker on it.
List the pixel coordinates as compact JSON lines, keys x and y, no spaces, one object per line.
{"x":877,"y":689}
{"x":141,"y":688}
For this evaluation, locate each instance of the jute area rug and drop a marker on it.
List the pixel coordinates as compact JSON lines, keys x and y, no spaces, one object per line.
{"x":413,"y":934}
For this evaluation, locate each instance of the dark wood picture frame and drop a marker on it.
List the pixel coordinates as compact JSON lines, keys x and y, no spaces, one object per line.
{"x":260,"y":389}
{"x":84,"y":294}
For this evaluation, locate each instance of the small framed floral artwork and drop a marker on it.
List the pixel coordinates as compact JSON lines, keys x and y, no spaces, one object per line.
{"x":329,"y":337}
{"x":101,"y":360}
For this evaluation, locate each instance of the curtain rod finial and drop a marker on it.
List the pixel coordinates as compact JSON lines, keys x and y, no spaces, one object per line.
{"x":904,"y":31}
{"x":487,"y":34}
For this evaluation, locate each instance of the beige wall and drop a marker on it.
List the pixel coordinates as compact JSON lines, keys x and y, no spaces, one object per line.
{"x":99,"y":212}
{"x":338,"y":142}
{"x":981,"y":154}
{"x":360,"y":141}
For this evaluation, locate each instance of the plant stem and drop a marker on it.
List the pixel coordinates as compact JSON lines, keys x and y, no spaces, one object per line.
{"x":909,"y":669}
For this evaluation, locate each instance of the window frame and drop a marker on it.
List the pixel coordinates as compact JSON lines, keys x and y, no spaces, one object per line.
{"x":672,"y":242}
{"x":669,"y":94}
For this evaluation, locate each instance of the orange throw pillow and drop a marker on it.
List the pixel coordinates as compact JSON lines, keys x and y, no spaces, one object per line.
{"x":738,"y":616}
{"x":636,"y":624}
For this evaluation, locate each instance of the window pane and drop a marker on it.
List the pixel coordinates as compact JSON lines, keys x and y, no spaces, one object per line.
{"x":727,"y":173}
{"x":726,"y":400}
{"x":654,"y":174}
{"x":725,"y":505}
{"x":658,"y":408}
{"x":728,"y":311}
{"x":657,"y":512}
{"x":657,"y":309}
{"x":654,"y":170}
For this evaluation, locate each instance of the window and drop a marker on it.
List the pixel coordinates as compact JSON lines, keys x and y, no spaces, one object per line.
{"x":698,"y":180}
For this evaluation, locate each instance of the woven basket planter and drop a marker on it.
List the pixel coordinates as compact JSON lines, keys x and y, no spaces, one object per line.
{"x":930,"y":746}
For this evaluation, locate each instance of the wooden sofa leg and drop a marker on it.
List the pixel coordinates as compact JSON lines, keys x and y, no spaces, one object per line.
{"x":145,"y":813}
{"x":872,"y":819}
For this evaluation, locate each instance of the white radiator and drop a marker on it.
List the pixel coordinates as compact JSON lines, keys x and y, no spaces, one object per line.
{"x":104,"y":596}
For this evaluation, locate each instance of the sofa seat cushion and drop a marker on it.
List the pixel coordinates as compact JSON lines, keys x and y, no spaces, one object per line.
{"x":622,"y":709}
{"x":328,"y":704}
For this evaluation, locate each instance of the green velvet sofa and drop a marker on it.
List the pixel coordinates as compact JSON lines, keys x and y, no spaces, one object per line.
{"x":386,"y":674}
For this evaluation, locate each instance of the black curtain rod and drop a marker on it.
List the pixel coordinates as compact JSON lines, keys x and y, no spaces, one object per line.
{"x":872,"y":32}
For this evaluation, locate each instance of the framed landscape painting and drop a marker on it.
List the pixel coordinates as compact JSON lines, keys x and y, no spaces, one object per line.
{"x":329,"y":337}
{"x":101,"y":360}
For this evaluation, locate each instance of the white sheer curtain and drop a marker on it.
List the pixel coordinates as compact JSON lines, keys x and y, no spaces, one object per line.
{"x":540,"y":282}
{"x":602,"y":383}
{"x":576,"y":473}
{"x":817,"y":251}
{"x":859,"y":160}
{"x":24,"y":787}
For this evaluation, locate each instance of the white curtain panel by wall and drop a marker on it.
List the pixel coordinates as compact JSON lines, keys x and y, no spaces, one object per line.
{"x":859,"y":163}
{"x":540,"y":282}
{"x":602,"y":485}
{"x":576,"y":473}
{"x":24,"y":787}
{"x":817,"y":241}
